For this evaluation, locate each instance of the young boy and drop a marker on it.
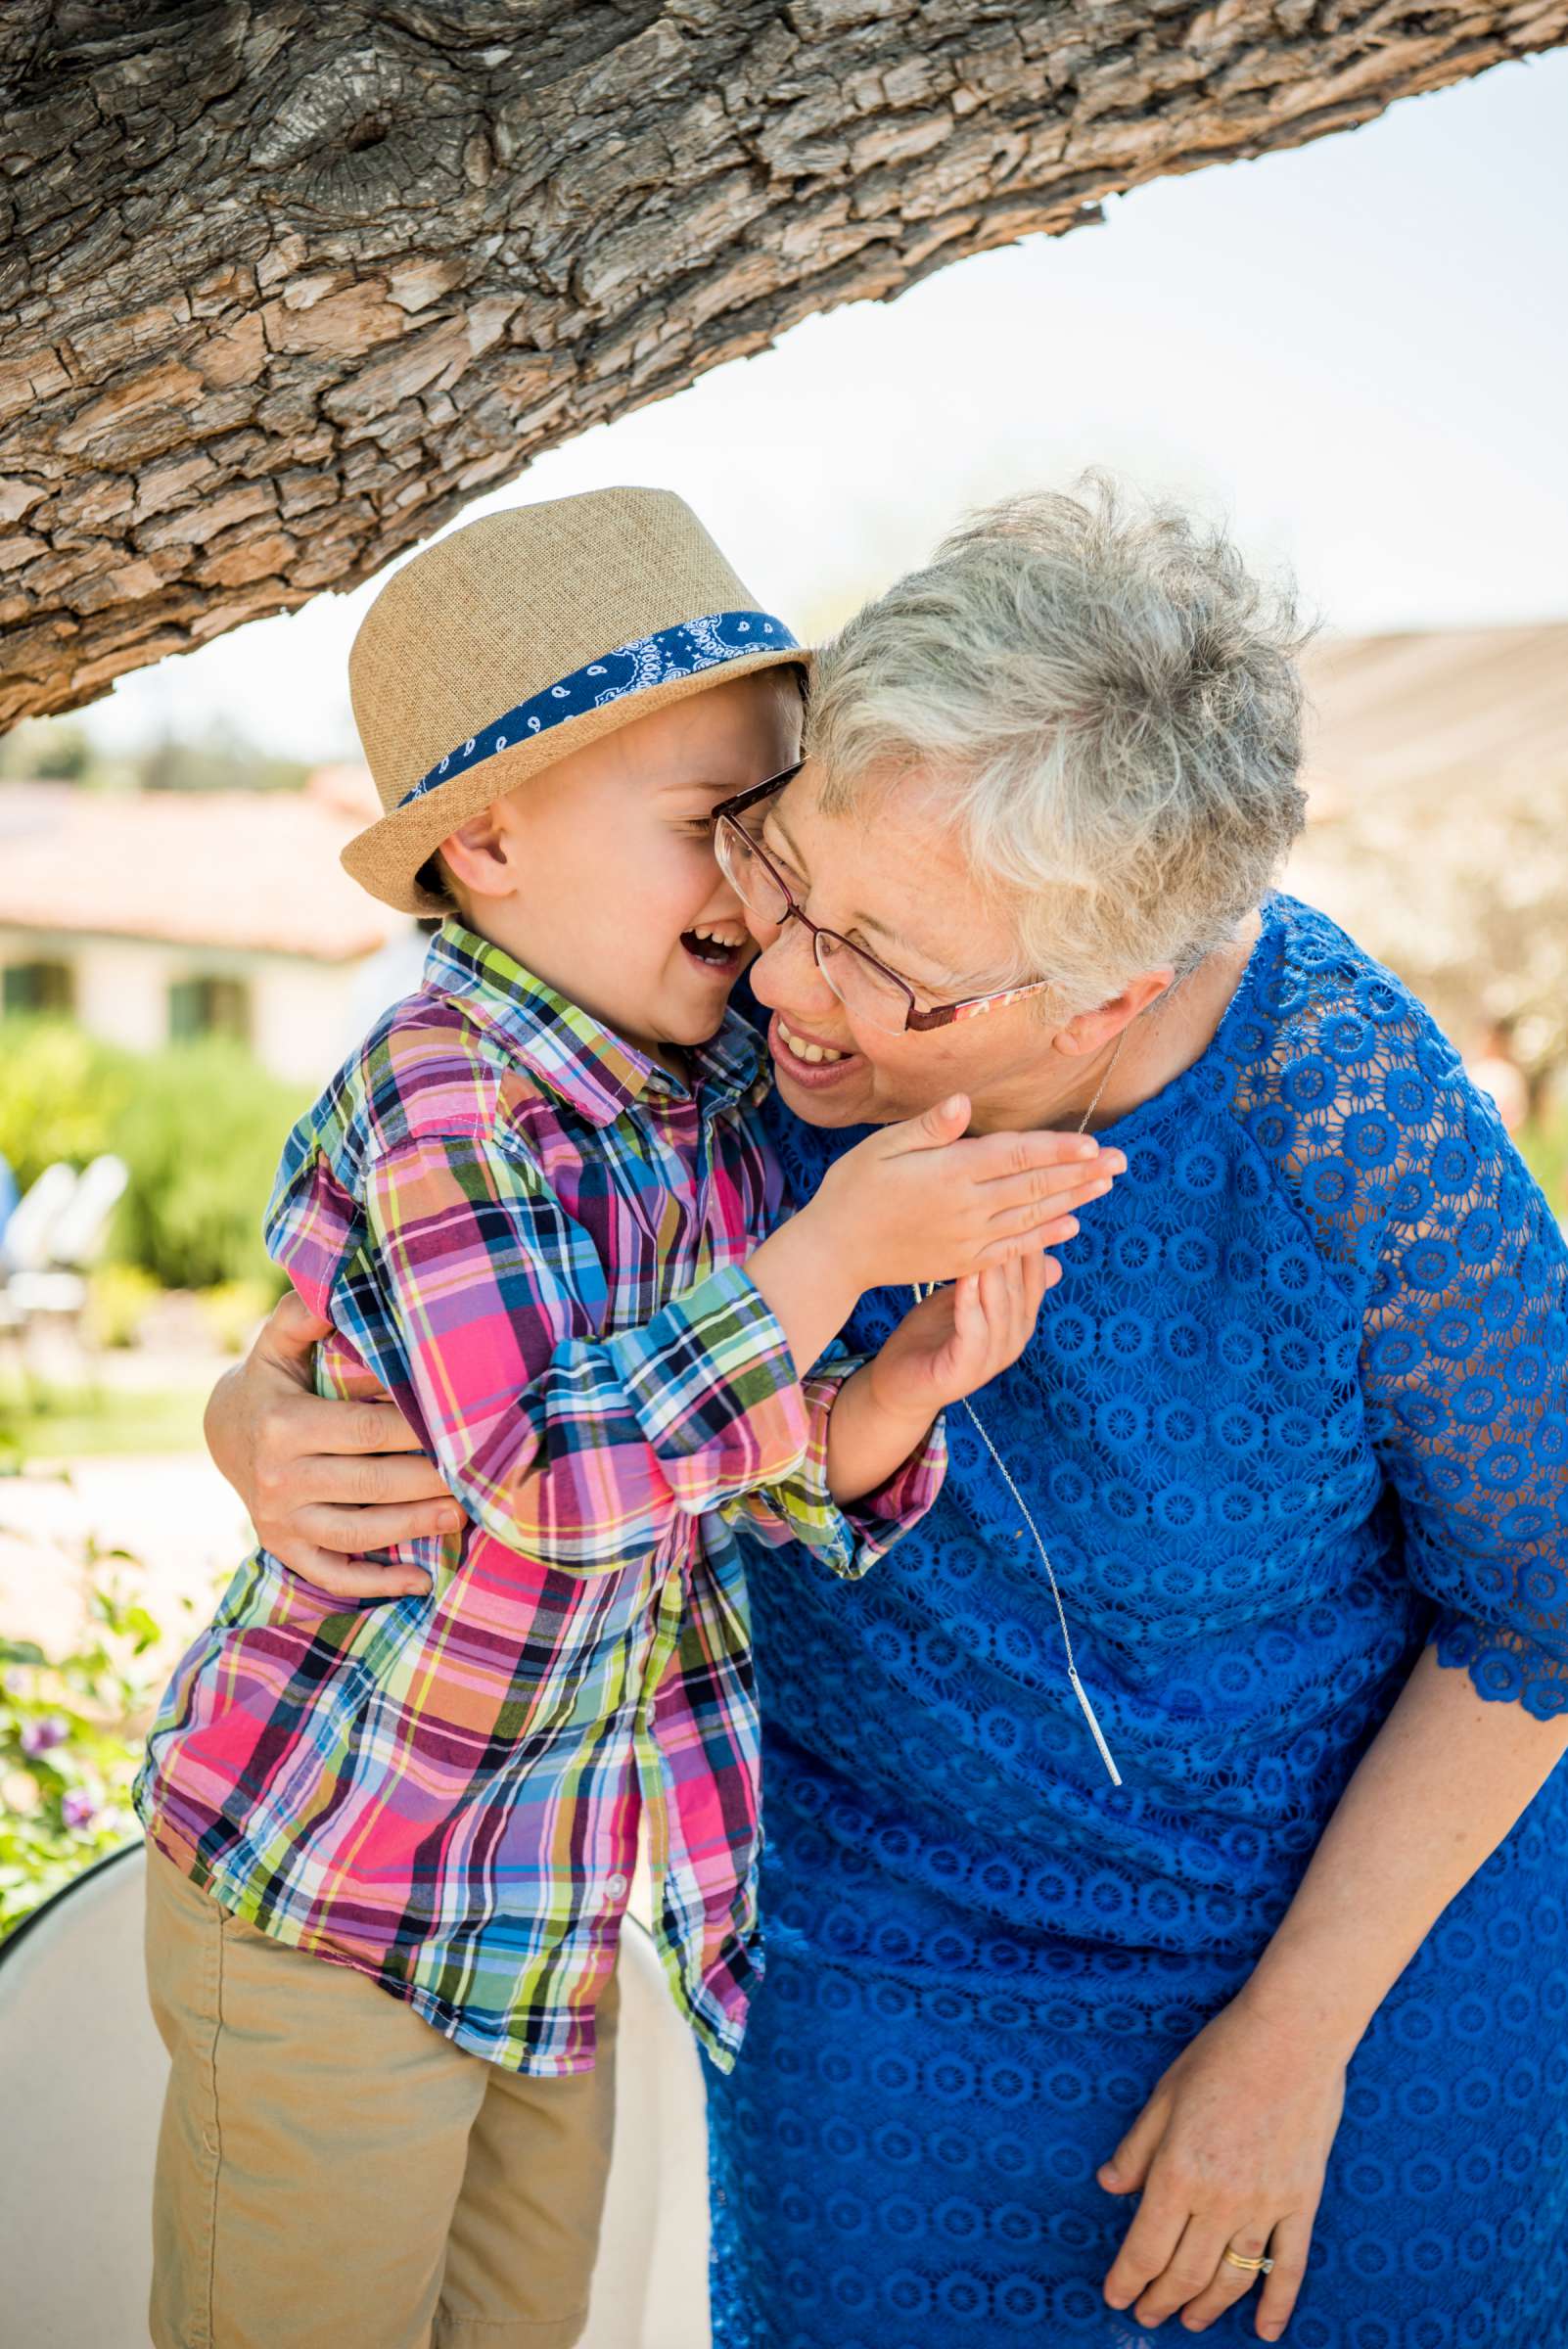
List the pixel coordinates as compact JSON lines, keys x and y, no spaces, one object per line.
{"x":533,"y":1206}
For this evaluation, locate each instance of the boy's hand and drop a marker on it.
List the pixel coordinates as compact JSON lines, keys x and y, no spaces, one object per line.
{"x":958,"y":1339}
{"x":916,"y":1203}
{"x":952,"y":1342}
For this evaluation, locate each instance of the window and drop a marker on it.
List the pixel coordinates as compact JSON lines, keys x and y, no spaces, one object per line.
{"x":36,"y":987}
{"x":208,"y":1007}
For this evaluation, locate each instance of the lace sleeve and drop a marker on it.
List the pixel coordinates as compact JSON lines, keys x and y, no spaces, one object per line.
{"x":1465,"y":1370}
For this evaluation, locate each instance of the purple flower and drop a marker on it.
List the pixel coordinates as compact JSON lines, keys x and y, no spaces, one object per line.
{"x":37,"y":1736}
{"x":78,"y":1810}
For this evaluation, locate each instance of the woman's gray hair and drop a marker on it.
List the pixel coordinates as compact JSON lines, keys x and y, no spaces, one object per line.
{"x":1106,"y":703}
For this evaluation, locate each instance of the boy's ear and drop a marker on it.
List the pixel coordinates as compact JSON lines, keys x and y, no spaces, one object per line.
{"x":476,"y":856}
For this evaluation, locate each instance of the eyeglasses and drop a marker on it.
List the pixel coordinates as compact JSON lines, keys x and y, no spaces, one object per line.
{"x":865,"y":986}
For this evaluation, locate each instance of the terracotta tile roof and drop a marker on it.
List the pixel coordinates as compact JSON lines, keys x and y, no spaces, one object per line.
{"x":1447,"y":714}
{"x":1437,"y":783}
{"x":246,"y":871}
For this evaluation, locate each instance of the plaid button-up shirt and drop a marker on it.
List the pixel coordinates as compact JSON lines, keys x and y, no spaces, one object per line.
{"x":533,"y":1238}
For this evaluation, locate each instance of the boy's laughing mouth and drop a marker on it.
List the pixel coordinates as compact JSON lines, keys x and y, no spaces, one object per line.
{"x":719,"y":946}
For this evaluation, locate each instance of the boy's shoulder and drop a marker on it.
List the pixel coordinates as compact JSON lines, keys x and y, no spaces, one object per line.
{"x":425,"y":1069}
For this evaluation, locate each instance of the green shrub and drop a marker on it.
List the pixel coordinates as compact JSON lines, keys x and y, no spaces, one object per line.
{"x":232,"y":1310}
{"x":61,"y":1093}
{"x":199,"y":1124}
{"x":69,"y":1748}
{"x":1543,"y":1145}
{"x":120,"y":1299}
{"x":201,"y":1131}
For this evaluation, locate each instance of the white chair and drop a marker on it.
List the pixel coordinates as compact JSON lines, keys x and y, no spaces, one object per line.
{"x":81,"y":2087}
{"x":82,"y":1229}
{"x":29,"y":1234}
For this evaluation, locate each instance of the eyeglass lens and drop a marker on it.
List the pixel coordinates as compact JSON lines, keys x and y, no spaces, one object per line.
{"x":861,"y":985}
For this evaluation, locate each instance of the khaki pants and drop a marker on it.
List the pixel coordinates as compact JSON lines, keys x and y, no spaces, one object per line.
{"x":332,"y":2174}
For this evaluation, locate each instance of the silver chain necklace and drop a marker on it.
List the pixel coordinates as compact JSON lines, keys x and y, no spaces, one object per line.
{"x":1079,"y":1689}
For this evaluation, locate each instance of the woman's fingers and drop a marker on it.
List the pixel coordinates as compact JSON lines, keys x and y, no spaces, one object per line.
{"x":321,"y":1423}
{"x":1192,"y":2271}
{"x":1227,"y":2282}
{"x":352,"y":1533}
{"x":1150,"y":2241}
{"x":312,"y":1449}
{"x":290,"y":1336}
{"x":1288,"y":2246}
{"x":1149,"y":2245}
{"x":354,"y":1578}
{"x":379,"y":1480}
{"x":1128,"y":2166}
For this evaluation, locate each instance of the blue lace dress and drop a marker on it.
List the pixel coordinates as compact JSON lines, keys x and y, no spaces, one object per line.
{"x":1296,"y":1407}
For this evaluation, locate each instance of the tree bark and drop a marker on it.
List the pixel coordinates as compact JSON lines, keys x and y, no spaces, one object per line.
{"x":285,"y":282}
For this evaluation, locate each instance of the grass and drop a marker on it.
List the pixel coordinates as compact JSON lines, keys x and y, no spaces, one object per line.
{"x":49,"y":1423}
{"x":1543,"y":1146}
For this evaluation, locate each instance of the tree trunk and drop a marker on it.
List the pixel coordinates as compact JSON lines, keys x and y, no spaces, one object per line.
{"x":287,"y":282}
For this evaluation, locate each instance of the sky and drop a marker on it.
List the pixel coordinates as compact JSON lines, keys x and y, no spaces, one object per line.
{"x":1356,"y":351}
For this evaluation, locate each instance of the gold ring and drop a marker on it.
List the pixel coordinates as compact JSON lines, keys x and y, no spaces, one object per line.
{"x":1252,"y":2267}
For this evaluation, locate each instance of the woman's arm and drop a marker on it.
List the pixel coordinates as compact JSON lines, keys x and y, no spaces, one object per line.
{"x":1232,"y":2146}
{"x":1466,"y":1402}
{"x":324,"y":1481}
{"x":1433,"y":1796}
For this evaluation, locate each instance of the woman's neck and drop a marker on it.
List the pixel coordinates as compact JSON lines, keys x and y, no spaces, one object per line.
{"x":1156,"y":1047}
{"x":1175,"y":1030}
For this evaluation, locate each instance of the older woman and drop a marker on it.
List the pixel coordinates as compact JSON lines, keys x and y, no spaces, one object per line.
{"x":1165,"y":1891}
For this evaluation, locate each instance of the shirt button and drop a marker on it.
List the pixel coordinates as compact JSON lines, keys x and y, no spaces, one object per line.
{"x":616,"y":1888}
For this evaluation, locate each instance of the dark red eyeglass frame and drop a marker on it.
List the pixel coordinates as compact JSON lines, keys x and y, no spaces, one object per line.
{"x":941,"y":1015}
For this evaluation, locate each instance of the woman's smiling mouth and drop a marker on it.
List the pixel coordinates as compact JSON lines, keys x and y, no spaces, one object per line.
{"x":804,"y":1058}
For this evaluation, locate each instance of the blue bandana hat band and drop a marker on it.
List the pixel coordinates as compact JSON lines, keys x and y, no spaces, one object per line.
{"x":684,"y":651}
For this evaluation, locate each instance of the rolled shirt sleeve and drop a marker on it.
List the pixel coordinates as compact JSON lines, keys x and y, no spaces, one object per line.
{"x":846,"y":1536}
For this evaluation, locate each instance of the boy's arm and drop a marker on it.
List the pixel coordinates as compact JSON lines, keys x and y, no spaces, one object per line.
{"x":578,"y":1449}
{"x":914,"y":1202}
{"x":581,"y":1449}
{"x":847,"y":1503}
{"x":868,"y":1443}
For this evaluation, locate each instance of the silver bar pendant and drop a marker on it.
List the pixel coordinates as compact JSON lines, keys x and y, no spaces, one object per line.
{"x":1088,"y":1715}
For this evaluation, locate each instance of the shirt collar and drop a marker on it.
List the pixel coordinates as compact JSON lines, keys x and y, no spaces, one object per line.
{"x":571,"y":1052}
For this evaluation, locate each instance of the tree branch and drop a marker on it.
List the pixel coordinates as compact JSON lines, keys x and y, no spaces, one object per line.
{"x":287,"y":285}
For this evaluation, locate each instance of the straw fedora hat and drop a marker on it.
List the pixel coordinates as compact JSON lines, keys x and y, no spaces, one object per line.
{"x":520,"y":639}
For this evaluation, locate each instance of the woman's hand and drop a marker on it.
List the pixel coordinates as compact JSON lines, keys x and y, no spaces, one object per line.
{"x":1229,"y":2152}
{"x":324,"y":1482}
{"x":958,"y":1339}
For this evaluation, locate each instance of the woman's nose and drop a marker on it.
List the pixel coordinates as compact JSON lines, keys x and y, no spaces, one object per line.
{"x":788,"y":968}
